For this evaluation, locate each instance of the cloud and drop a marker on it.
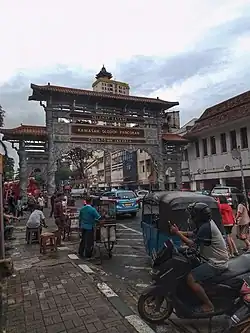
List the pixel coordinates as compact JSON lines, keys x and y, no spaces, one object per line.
{"x":212,"y":68}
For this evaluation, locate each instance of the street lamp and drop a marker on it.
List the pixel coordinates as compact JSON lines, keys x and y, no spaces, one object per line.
{"x":236,"y":155}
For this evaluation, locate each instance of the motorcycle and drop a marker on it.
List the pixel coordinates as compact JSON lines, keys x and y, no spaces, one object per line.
{"x":229,"y":292}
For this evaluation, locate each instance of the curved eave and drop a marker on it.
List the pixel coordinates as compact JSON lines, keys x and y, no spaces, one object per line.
{"x":42,"y":93}
{"x":23,"y":137}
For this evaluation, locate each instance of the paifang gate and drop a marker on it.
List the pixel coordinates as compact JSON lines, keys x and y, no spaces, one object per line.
{"x":101,"y":121}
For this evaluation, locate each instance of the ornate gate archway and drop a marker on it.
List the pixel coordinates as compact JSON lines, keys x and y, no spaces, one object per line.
{"x":101,"y":121}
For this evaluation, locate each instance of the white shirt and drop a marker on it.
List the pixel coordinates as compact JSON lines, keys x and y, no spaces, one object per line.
{"x":41,"y":201}
{"x":35,"y":219}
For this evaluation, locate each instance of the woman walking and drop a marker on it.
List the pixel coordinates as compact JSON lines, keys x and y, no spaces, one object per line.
{"x":228,"y":222}
{"x":243,"y":221}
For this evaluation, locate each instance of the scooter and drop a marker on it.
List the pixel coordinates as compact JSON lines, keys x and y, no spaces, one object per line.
{"x":229,"y":292}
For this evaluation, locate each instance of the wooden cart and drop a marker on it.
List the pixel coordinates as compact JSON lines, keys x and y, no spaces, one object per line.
{"x":105,"y":231}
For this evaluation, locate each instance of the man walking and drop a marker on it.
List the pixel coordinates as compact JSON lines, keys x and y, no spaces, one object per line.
{"x":88,"y":218}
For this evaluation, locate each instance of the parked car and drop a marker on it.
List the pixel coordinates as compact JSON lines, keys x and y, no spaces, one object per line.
{"x":204,"y":192}
{"x":141,"y":193}
{"x":233,"y":194}
{"x":126,"y":201}
{"x":77,"y":192}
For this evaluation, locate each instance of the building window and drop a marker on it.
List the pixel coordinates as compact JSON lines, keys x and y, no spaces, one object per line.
{"x":204,"y":144}
{"x":213,"y":145}
{"x":197,"y":149}
{"x":223,"y":142}
{"x":233,"y":140}
{"x":143,"y":168}
{"x":243,"y":137}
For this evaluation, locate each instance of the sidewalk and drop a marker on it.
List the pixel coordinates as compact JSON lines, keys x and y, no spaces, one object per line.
{"x":58,"y":298}
{"x":49,"y":293}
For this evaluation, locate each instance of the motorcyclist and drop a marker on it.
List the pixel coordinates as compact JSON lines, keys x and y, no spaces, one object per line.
{"x":212,"y":248}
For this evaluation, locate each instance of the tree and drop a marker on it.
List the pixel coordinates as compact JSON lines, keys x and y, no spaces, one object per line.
{"x":79,"y":158}
{"x":2,"y":113}
{"x":8,"y":168}
{"x":62,"y":174}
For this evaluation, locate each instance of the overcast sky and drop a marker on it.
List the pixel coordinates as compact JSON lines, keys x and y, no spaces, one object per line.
{"x":196,"y":52}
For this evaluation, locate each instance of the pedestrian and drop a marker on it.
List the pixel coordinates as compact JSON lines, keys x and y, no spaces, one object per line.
{"x":228,"y":221}
{"x":31,"y":202}
{"x":36,"y":220}
{"x":41,"y":201}
{"x":243,"y":221}
{"x":52,"y":202}
{"x":59,"y":216}
{"x":19,"y":207}
{"x":88,"y":217}
{"x":12,"y":204}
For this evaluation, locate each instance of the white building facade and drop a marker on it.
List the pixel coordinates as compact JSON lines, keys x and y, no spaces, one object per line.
{"x":214,"y":139}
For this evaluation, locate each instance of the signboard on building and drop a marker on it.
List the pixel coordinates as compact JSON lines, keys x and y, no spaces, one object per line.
{"x":107,"y":131}
{"x":107,"y":134}
{"x":107,"y":118}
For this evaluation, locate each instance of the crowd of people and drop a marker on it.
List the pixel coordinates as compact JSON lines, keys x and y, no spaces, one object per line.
{"x":241,"y":220}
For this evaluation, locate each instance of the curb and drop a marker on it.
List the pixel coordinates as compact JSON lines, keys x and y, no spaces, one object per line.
{"x":134,"y":320}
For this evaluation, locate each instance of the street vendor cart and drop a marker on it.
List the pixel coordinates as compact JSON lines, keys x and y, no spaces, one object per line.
{"x":105,"y":231}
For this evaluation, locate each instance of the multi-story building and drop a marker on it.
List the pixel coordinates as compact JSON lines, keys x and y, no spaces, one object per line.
{"x":221,"y":133}
{"x":104,"y":83}
{"x":145,"y":170}
{"x":131,"y":169}
{"x":130,"y":174}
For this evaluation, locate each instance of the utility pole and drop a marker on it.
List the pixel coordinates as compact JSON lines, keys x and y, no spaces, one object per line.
{"x":236,"y":154}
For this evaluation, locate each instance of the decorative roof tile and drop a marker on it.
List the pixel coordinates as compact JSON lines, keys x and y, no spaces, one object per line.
{"x":173,"y":137}
{"x":84,"y":92}
{"x":223,"y":113}
{"x":25,"y":130}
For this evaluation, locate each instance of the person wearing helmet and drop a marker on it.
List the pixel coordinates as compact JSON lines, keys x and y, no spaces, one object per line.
{"x":212,"y":247}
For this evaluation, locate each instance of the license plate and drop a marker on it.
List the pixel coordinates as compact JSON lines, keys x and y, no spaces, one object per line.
{"x":127,"y":204}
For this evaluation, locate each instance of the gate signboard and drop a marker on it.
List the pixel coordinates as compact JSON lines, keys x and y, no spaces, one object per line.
{"x":107,"y":134}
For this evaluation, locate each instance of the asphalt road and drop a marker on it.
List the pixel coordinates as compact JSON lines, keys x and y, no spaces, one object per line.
{"x":130,"y":261}
{"x":127,"y":272}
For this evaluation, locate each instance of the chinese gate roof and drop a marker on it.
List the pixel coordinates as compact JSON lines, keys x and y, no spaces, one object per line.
{"x":233,"y":109}
{"x":43,"y":92}
{"x":24,"y":131}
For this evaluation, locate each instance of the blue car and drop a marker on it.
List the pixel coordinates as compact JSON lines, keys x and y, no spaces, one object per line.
{"x":126,"y":201}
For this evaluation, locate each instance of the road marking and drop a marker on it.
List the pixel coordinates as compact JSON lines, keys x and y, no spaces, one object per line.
{"x":86,"y":269}
{"x":128,"y":255}
{"x":129,"y":246}
{"x":142,"y":285}
{"x":138,"y":324}
{"x":73,"y":256}
{"x":139,"y":268}
{"x":129,"y":239}
{"x":106,"y":290}
{"x":131,"y":229}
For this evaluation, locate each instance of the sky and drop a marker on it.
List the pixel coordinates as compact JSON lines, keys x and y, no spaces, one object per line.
{"x":192,"y":51}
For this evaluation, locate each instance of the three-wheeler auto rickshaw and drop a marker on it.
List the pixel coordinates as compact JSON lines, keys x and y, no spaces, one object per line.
{"x":160,"y":208}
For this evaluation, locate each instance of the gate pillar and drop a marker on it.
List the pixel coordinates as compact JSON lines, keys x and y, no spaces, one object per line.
{"x":23,"y":170}
{"x":51,"y":170}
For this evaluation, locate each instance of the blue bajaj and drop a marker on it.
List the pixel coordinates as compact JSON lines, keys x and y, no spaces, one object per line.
{"x":171,"y":263}
{"x":158,"y":208}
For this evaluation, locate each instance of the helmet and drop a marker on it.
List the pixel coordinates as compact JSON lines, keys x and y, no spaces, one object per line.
{"x":199,"y":212}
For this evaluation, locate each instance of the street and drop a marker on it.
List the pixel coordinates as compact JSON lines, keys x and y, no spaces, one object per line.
{"x":127,"y":272}
{"x":130,"y":263}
